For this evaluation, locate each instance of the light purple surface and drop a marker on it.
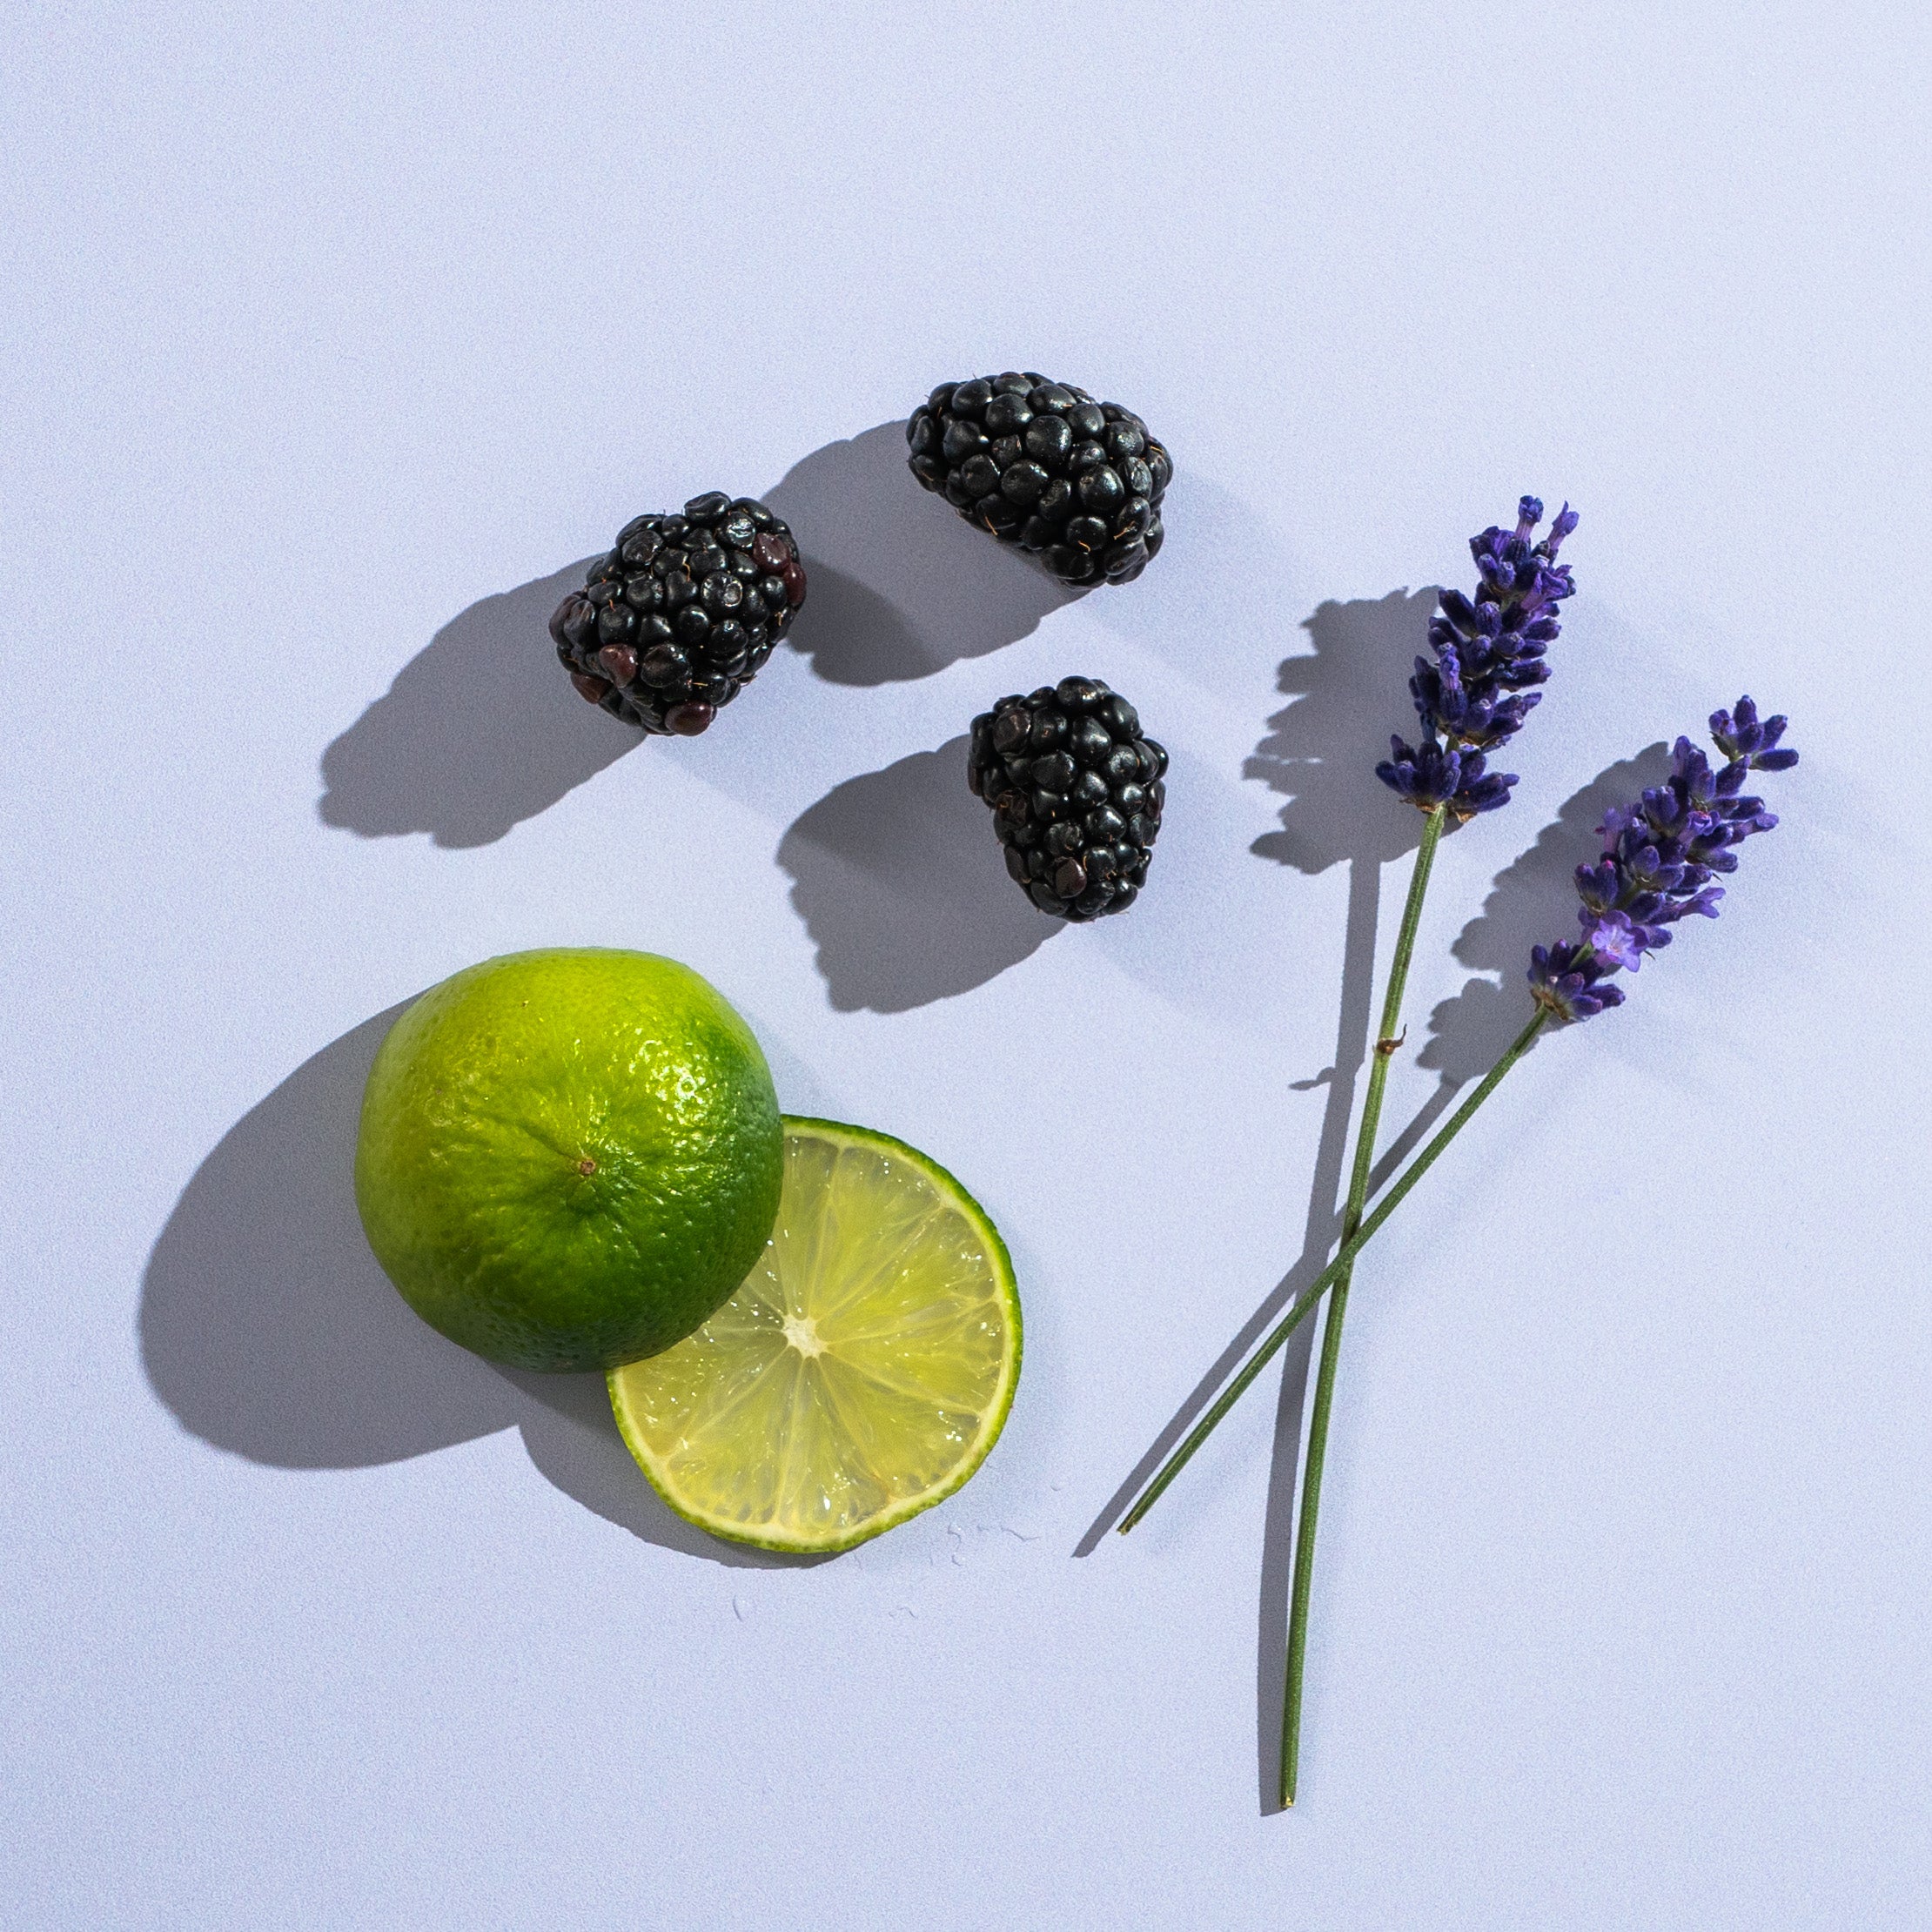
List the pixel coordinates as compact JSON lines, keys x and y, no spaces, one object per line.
{"x":332,"y":339}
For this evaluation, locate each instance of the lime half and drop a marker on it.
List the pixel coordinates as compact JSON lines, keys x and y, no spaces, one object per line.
{"x":861,"y":1372}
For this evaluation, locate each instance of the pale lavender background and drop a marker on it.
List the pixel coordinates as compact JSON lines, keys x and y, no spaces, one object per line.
{"x":334,"y":336}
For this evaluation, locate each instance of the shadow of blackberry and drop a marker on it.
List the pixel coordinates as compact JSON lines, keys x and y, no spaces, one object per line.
{"x":899,"y":584}
{"x":479,"y":731}
{"x":898,"y":878}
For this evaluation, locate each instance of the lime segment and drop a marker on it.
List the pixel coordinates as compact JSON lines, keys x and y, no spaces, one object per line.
{"x":862,"y":1369}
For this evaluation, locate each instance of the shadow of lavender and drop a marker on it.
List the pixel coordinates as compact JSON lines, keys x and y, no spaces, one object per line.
{"x":1531,"y":902}
{"x":1346,"y":696}
{"x":1319,"y":752}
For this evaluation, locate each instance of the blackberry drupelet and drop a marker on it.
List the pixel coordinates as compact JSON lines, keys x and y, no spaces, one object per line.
{"x":1040,"y":464}
{"x":681,"y":613}
{"x":1076,"y":792}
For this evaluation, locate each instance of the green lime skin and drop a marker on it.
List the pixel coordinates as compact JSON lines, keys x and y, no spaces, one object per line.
{"x":569,"y":1159}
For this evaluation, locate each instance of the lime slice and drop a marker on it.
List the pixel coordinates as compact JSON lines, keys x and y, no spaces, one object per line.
{"x":861,"y":1372}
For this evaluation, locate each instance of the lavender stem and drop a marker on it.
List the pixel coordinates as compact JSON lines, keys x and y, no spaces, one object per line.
{"x":1304,"y":1303}
{"x":1385,"y":1046}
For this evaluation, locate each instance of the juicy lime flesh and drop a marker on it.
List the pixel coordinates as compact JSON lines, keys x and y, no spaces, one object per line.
{"x":568,"y":1158}
{"x":861,"y":1372}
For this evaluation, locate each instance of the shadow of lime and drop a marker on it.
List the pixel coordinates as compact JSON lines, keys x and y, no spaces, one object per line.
{"x":268,"y":1329}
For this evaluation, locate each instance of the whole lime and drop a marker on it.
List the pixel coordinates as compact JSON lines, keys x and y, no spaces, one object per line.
{"x":569,"y":1159}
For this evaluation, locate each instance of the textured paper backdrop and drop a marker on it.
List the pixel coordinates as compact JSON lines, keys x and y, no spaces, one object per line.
{"x":337,"y":338}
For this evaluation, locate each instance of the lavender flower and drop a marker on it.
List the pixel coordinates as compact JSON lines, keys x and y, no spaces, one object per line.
{"x":1489,"y":652}
{"x":1660,"y":857}
{"x":1740,"y":736}
{"x":1570,"y":980}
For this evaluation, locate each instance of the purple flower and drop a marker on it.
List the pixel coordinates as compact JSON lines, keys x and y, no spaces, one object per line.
{"x":1618,"y":939}
{"x":1740,"y":734}
{"x":1660,"y":854}
{"x":1426,"y":776}
{"x":1489,"y":651}
{"x":1568,"y":979}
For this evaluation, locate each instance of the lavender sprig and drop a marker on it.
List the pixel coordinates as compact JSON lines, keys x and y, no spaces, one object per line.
{"x":1725,"y":728}
{"x":1490,"y":653}
{"x":1658,"y":859}
{"x":1660,"y":855}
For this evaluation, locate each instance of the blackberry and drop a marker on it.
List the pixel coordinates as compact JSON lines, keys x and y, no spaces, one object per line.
{"x":1077,"y":795}
{"x":1041,"y":464}
{"x":681,"y":613}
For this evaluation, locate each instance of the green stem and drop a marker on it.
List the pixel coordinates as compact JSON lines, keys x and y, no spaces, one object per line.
{"x":1303,"y":1304}
{"x":1387,"y":1042}
{"x":1386,"y":1046}
{"x":1304,"y":1538}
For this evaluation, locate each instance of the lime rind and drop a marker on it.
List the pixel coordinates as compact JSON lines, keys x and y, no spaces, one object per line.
{"x":882,"y":1384}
